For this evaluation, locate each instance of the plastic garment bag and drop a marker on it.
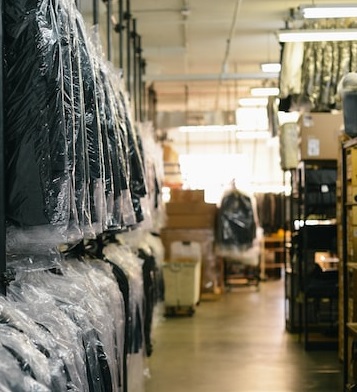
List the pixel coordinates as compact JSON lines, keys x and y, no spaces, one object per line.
{"x":236,"y":223}
{"x":74,"y":109}
{"x":132,"y":266}
{"x":81,"y":306}
{"x":93,"y":131}
{"x":113,"y":143}
{"x":133,"y":152}
{"x":36,"y":351}
{"x":41,"y":306}
{"x":12,"y":378}
{"x":39,"y":188}
{"x":55,"y":163}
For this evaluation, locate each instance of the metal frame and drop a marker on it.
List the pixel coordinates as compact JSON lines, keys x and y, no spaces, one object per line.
{"x":3,"y":270}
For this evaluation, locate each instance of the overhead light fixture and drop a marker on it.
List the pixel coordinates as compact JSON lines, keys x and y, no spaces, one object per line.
{"x":270,"y":67}
{"x":318,"y":35}
{"x":328,"y":11}
{"x":264,"y":91}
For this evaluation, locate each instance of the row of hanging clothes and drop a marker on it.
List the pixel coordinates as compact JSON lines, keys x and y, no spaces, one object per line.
{"x":311,"y":71}
{"x":81,"y":321}
{"x":79,"y":175}
{"x":75,"y":163}
{"x":271,"y":211}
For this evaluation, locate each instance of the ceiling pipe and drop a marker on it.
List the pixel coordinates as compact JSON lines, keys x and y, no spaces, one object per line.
{"x":228,"y":49}
{"x":109,"y":28}
{"x":128,"y":19}
{"x":185,"y":12}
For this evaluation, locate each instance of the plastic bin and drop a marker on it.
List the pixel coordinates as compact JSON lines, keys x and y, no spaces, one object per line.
{"x":185,"y":250}
{"x":182,"y":277}
{"x":182,"y":286}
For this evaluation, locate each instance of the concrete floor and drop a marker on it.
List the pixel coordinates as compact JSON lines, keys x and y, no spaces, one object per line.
{"x":238,"y":344}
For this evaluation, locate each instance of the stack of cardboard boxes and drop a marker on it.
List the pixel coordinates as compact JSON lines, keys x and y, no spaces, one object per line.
{"x":188,"y":210}
{"x":189,"y":218}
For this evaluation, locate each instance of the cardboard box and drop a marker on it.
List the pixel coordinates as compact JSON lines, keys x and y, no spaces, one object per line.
{"x":192,"y":208}
{"x":187,"y":195}
{"x":189,"y":221}
{"x":190,"y":215}
{"x":319,"y":135}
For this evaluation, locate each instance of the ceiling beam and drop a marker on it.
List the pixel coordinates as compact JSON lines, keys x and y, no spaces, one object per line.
{"x":207,"y":77}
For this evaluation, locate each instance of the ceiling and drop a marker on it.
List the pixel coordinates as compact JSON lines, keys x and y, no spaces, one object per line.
{"x":202,"y":55}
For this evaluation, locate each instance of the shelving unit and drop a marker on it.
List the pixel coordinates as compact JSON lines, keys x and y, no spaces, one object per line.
{"x":348,"y":250}
{"x":312,"y":279}
{"x":272,"y":256}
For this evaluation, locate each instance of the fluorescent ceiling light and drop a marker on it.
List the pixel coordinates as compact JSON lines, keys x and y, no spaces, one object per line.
{"x":264,"y":91}
{"x":253,"y":102}
{"x":324,"y":11}
{"x":270,"y":67}
{"x":317,"y":35}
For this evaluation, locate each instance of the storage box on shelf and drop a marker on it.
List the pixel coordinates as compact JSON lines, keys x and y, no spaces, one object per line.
{"x":319,"y":135}
{"x":272,"y":258}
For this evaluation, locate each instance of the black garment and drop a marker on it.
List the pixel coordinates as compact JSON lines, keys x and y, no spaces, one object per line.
{"x":123,"y":284}
{"x":270,"y":210}
{"x":150,"y":296}
{"x":38,"y":180}
{"x":108,"y":158}
{"x":93,"y":130}
{"x":236,"y":225}
{"x":135,"y":159}
{"x":115,"y":154}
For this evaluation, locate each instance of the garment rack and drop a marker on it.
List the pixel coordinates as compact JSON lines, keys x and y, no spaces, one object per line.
{"x":137,"y":67}
{"x":3,"y":269}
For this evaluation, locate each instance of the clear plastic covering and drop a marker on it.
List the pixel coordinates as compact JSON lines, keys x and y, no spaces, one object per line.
{"x":39,"y":187}
{"x":83,"y":324}
{"x":75,"y":159}
{"x":76,"y":167}
{"x":131,"y":265}
{"x":152,"y":203}
{"x":75,"y":315}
